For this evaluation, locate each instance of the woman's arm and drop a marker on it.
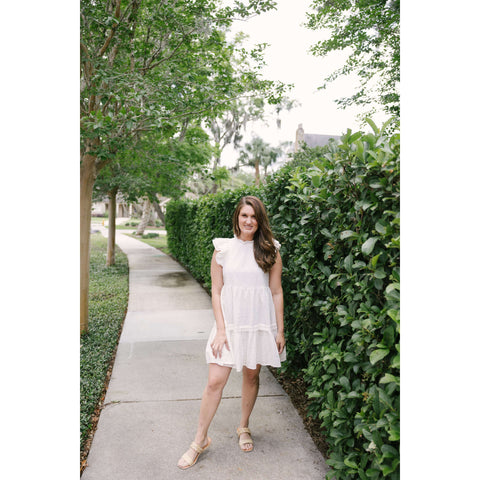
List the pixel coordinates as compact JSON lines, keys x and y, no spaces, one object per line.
{"x":277,"y":295}
{"x":216,"y":273}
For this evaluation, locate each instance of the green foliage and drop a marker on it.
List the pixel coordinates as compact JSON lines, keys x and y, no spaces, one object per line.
{"x":108,"y":298}
{"x":155,"y":165}
{"x":160,"y":242}
{"x":370,"y":31}
{"x":258,"y":153}
{"x":220,"y":174}
{"x":149,"y":66}
{"x":338,"y":222}
{"x":336,"y":213}
{"x":192,"y":225}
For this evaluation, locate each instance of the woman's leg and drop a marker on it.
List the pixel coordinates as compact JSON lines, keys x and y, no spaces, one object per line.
{"x":250,"y":385}
{"x":217,"y":379}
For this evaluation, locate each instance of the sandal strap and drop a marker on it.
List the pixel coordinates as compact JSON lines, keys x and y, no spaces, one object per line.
{"x":189,"y":459}
{"x":196,"y":447}
{"x":243,"y":430}
{"x":244,"y":442}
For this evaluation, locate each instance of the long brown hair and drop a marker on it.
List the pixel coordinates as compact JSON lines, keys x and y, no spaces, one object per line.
{"x":263,"y":248}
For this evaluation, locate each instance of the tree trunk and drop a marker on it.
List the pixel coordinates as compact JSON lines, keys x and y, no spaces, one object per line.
{"x":215,"y":165}
{"x":160,"y":214}
{"x":147,"y":207}
{"x":112,"y":210}
{"x":257,"y":173}
{"x":87,"y":179}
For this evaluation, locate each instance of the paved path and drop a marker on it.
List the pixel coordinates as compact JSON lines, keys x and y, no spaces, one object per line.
{"x":152,"y":403}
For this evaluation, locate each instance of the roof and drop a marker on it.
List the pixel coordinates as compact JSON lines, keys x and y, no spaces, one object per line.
{"x":317,"y":140}
{"x":312,"y":139}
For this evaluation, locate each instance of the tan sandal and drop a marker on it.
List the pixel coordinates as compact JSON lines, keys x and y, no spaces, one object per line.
{"x":244,"y":442}
{"x":192,"y":460}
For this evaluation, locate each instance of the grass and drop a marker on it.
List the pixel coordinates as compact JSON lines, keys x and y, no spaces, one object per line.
{"x":159,"y":242}
{"x":108,"y":300}
{"x":98,"y":220}
{"x":133,"y":227}
{"x":135,"y":222}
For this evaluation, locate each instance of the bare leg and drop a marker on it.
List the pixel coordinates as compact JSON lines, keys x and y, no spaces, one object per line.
{"x":250,"y":386}
{"x":217,"y":379}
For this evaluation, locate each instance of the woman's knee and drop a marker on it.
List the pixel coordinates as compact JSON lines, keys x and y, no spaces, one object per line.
{"x":217,"y":380}
{"x":251,"y":376}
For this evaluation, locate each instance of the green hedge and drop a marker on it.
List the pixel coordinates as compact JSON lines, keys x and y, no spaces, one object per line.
{"x":336,"y":214}
{"x":192,"y":225}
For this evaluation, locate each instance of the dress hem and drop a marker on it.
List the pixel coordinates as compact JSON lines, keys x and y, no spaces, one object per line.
{"x":240,"y":369}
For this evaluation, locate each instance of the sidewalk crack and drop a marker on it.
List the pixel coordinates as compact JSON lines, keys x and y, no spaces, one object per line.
{"x":229,"y":397}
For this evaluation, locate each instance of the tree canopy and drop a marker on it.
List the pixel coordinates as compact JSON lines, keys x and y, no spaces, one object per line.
{"x":151,"y":64}
{"x":258,"y":153}
{"x":370,"y":30}
{"x":154,"y":66}
{"x":155,"y":166}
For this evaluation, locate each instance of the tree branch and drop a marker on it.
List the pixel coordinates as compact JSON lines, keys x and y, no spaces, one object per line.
{"x":106,"y":104}
{"x":155,"y":55}
{"x":112,"y":31}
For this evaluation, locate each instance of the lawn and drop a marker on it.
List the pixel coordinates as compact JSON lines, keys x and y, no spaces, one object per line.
{"x":159,"y":242}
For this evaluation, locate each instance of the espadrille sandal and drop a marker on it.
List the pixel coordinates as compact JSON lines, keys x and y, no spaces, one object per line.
{"x":245,"y":442}
{"x":192,"y":460}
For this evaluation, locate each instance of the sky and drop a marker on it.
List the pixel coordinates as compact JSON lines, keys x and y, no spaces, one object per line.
{"x":288,"y":59}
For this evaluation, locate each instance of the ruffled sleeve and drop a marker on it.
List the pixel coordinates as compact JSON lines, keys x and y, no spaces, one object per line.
{"x":276,"y":244}
{"x":221,"y":245}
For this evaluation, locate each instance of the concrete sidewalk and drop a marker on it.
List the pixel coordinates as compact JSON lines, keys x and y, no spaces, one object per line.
{"x":153,"y":399}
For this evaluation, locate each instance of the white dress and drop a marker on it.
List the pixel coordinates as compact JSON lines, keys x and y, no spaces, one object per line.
{"x":248,"y":309}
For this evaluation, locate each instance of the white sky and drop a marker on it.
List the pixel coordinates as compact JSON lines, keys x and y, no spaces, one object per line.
{"x":288,"y":59}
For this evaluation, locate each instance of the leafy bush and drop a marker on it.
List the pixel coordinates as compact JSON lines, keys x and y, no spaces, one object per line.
{"x":150,"y":235}
{"x":108,"y":298}
{"x":339,"y":223}
{"x":192,"y":225}
{"x":336,"y":213}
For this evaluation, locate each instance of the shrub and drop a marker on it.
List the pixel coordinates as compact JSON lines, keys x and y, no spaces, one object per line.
{"x":339,"y":223}
{"x":192,"y":225}
{"x":336,"y":213}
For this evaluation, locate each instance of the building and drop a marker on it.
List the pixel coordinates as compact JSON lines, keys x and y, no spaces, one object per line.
{"x":311,"y":139}
{"x":99,"y":209}
{"x":129,"y":210}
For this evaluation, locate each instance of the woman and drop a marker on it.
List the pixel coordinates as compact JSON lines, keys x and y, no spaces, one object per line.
{"x":247,"y":300}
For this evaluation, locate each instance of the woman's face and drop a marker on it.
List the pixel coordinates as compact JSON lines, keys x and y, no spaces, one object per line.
{"x":247,"y":223}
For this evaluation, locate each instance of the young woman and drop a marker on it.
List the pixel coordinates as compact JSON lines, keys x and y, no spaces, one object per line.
{"x":247,"y":301}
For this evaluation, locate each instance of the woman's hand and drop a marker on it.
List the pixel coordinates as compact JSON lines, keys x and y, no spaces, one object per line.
{"x":280,"y":342}
{"x":218,"y":342}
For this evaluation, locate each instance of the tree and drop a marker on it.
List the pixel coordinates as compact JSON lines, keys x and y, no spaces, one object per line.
{"x":149,"y":65}
{"x":371,"y":29}
{"x":226,"y":128}
{"x":156,"y":166}
{"x":108,"y":184}
{"x":258,"y":153}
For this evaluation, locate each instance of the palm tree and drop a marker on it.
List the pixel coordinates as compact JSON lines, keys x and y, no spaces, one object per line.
{"x":258,"y":153}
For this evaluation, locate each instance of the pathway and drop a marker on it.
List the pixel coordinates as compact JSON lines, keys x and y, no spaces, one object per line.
{"x":152,"y":403}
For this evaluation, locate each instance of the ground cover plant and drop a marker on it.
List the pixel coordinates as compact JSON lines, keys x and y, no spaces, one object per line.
{"x":108,"y":299}
{"x":336,"y":213}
